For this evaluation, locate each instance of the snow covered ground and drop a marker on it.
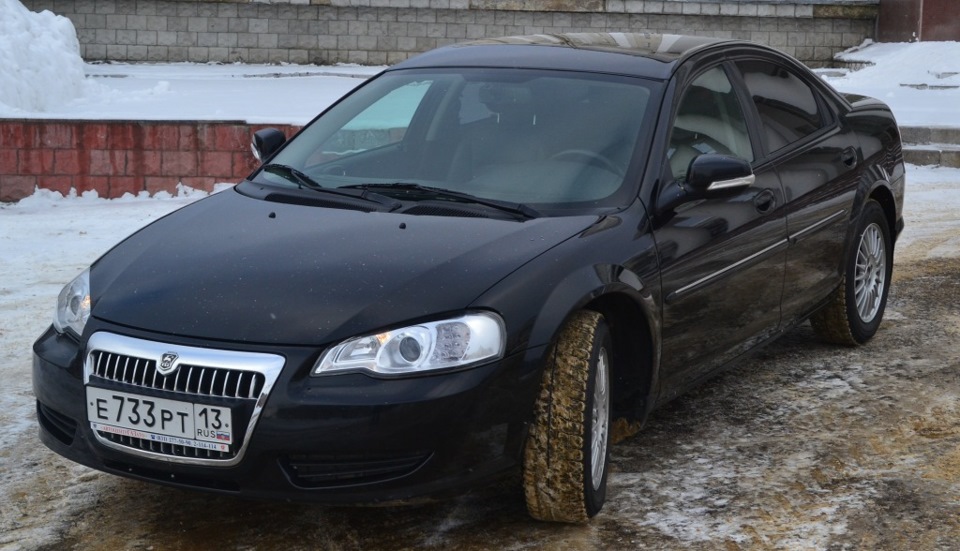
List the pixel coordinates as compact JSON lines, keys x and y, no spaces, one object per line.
{"x":706,"y":473}
{"x":272,"y":94}
{"x":919,"y":80}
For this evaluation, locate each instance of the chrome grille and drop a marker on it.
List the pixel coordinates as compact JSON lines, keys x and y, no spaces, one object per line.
{"x":171,"y":450}
{"x":188,"y":379}
{"x":245,"y":379}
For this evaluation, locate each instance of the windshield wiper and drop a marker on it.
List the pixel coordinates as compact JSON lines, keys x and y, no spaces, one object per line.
{"x":303,"y":181}
{"x":505,"y":206}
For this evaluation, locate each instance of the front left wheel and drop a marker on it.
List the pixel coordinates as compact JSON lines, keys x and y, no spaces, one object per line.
{"x":567,"y":451}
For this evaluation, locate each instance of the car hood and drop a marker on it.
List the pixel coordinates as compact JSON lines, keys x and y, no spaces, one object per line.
{"x":234,"y":268}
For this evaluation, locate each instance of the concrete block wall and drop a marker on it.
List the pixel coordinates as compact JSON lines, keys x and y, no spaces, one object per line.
{"x":117,"y":157}
{"x":381,"y":32}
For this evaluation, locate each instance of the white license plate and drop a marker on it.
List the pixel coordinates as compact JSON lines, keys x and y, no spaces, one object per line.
{"x":160,"y":420}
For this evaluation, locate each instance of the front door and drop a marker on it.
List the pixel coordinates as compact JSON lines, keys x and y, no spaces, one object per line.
{"x":722,"y":259}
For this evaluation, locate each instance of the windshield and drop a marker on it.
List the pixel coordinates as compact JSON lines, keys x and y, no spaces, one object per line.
{"x":548,"y":139}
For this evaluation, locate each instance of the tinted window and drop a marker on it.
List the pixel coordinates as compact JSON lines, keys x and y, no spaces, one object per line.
{"x":709,"y":120}
{"x":788,"y":107}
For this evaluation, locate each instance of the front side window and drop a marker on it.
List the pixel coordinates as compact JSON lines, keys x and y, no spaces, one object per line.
{"x":709,"y":120}
{"x":548,"y":138}
{"x":788,"y":107}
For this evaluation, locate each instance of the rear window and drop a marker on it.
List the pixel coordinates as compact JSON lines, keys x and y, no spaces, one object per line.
{"x":788,"y":107}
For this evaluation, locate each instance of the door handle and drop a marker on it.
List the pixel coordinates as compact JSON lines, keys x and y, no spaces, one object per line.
{"x":765,"y":201}
{"x":849,"y":157}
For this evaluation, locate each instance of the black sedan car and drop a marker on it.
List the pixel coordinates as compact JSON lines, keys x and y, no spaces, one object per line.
{"x":495,"y":256}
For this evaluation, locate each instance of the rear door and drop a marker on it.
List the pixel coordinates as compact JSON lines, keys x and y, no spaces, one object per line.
{"x":816,"y":157}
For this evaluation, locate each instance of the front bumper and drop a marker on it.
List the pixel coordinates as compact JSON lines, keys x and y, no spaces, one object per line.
{"x":339,"y":439}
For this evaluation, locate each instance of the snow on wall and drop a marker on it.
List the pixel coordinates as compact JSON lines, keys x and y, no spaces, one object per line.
{"x":40,"y":64}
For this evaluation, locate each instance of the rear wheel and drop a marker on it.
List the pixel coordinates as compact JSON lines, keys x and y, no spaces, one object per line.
{"x":856,"y":308}
{"x":567,"y":451}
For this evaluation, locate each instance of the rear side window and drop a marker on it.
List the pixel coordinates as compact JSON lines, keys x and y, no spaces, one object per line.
{"x":788,"y":107}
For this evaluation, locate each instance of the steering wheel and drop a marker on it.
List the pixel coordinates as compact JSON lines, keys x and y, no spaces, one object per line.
{"x":592,"y":158}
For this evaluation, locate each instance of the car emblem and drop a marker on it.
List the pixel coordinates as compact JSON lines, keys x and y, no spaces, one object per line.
{"x":168,"y":363}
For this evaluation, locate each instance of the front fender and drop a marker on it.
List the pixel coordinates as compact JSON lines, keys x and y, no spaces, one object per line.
{"x":612,"y":267}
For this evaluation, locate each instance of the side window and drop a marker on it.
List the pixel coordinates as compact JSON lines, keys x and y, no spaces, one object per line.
{"x":788,"y":107}
{"x":383,"y":123}
{"x":709,"y":120}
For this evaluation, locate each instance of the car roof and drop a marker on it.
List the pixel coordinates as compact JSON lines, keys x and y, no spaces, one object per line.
{"x":636,"y":54}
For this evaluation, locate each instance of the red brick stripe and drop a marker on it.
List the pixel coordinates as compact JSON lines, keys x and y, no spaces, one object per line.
{"x":117,"y":157}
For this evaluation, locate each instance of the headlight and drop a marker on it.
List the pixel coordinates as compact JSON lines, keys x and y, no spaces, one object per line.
{"x":446,"y":344}
{"x":73,"y":305}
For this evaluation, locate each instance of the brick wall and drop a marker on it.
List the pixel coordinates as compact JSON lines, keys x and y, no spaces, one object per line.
{"x":117,"y":157}
{"x":387,"y":31}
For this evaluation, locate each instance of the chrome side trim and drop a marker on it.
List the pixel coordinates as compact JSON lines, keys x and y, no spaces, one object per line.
{"x":719,"y":273}
{"x":814,"y":227}
{"x":270,"y":365}
{"x":790,"y":240}
{"x":732,"y":183}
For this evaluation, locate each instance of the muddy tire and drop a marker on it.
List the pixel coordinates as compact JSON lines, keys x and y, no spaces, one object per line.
{"x":856,"y":308}
{"x":567,"y":450}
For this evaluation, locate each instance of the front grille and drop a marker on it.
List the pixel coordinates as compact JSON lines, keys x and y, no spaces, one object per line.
{"x":238,"y":380}
{"x":189,"y":379}
{"x":171,"y":450}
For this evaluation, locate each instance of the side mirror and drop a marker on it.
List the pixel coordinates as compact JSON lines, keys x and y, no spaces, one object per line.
{"x":266,"y":142}
{"x":709,"y":175}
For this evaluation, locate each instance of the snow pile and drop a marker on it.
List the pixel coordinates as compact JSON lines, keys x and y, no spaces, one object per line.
{"x":40,"y":64}
{"x":920,"y":81}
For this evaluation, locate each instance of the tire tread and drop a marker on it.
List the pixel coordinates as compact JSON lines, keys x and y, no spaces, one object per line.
{"x":553,"y":473}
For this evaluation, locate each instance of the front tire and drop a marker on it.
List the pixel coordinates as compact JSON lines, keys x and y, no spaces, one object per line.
{"x":856,"y":308}
{"x":567,"y":451}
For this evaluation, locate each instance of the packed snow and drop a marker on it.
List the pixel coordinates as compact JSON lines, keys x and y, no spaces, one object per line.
{"x":269,"y":94}
{"x":920,"y":81}
{"x":40,"y":64}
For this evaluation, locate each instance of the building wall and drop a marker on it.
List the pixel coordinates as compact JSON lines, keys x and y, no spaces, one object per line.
{"x":387,"y":31}
{"x":923,"y":20}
